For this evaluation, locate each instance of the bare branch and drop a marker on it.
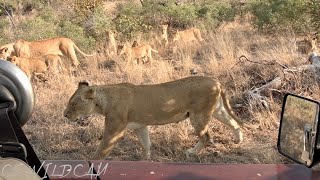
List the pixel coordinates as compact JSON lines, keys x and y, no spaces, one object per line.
{"x":9,"y":14}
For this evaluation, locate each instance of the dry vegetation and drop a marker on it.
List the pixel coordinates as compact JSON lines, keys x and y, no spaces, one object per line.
{"x":54,"y":137}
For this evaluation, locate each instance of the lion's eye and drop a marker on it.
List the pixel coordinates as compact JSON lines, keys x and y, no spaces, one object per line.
{"x":73,"y":105}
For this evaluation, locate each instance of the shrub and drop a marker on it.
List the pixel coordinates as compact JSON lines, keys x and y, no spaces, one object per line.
{"x":85,"y":7}
{"x":48,"y":14}
{"x":76,"y":33}
{"x":313,"y":10}
{"x":36,"y":28}
{"x":214,"y":13}
{"x":6,"y":32}
{"x":182,"y":16}
{"x":7,"y":6}
{"x":130,"y":20}
{"x":280,"y":14}
{"x":97,"y":23}
{"x":20,"y":7}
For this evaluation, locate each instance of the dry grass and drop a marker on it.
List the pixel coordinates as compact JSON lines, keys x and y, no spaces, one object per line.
{"x":53,"y":137}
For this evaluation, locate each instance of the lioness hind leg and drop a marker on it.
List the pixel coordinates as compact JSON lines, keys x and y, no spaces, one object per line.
{"x":144,"y":139}
{"x":223,"y":116}
{"x":72,"y":56}
{"x":200,"y":125}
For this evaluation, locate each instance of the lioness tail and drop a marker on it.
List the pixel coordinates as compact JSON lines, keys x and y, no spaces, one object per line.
{"x":84,"y":54}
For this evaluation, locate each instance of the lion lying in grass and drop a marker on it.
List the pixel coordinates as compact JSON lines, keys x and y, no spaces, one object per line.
{"x":137,"y":106}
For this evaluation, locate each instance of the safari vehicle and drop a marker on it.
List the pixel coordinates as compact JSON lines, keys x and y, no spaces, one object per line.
{"x":298,"y":140}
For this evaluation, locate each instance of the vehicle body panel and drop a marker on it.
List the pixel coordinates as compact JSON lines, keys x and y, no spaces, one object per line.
{"x":159,"y":170}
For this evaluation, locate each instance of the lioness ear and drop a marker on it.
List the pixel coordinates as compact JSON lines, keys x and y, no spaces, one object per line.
{"x":89,"y":94}
{"x":83,"y":84}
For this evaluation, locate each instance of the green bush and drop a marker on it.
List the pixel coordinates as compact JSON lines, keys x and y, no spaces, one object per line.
{"x":130,"y":21}
{"x":37,"y":28}
{"x":85,"y":7}
{"x":48,"y":14}
{"x":4,"y":28}
{"x":19,"y":7}
{"x":37,"y":4}
{"x":97,"y":24}
{"x":314,"y":12}
{"x":280,"y":15}
{"x":77,"y":34}
{"x":182,"y":15}
{"x":214,"y":13}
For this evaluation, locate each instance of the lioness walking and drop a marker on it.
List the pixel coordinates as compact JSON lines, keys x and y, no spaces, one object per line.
{"x":60,"y":46}
{"x":188,"y":36}
{"x":136,"y":106}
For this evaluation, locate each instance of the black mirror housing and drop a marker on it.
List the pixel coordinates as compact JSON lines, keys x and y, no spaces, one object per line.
{"x":299,"y":130}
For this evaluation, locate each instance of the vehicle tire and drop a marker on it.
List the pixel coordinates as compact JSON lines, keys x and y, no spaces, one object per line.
{"x":17,"y":82}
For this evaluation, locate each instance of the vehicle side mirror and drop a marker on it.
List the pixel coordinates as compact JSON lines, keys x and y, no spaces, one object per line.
{"x":298,"y":131}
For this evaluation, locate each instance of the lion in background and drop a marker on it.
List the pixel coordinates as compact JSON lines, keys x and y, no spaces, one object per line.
{"x":137,"y":106}
{"x":187,"y":36}
{"x":59,"y":46}
{"x":110,"y":43}
{"x":164,"y":34}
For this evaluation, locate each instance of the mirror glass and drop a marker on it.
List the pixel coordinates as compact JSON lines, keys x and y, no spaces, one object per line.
{"x":297,"y":130}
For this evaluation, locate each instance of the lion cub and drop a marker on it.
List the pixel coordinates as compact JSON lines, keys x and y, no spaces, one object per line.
{"x":37,"y":65}
{"x":137,"y":52}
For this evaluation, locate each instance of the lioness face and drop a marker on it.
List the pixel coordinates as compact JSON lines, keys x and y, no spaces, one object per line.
{"x":82,"y":102}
